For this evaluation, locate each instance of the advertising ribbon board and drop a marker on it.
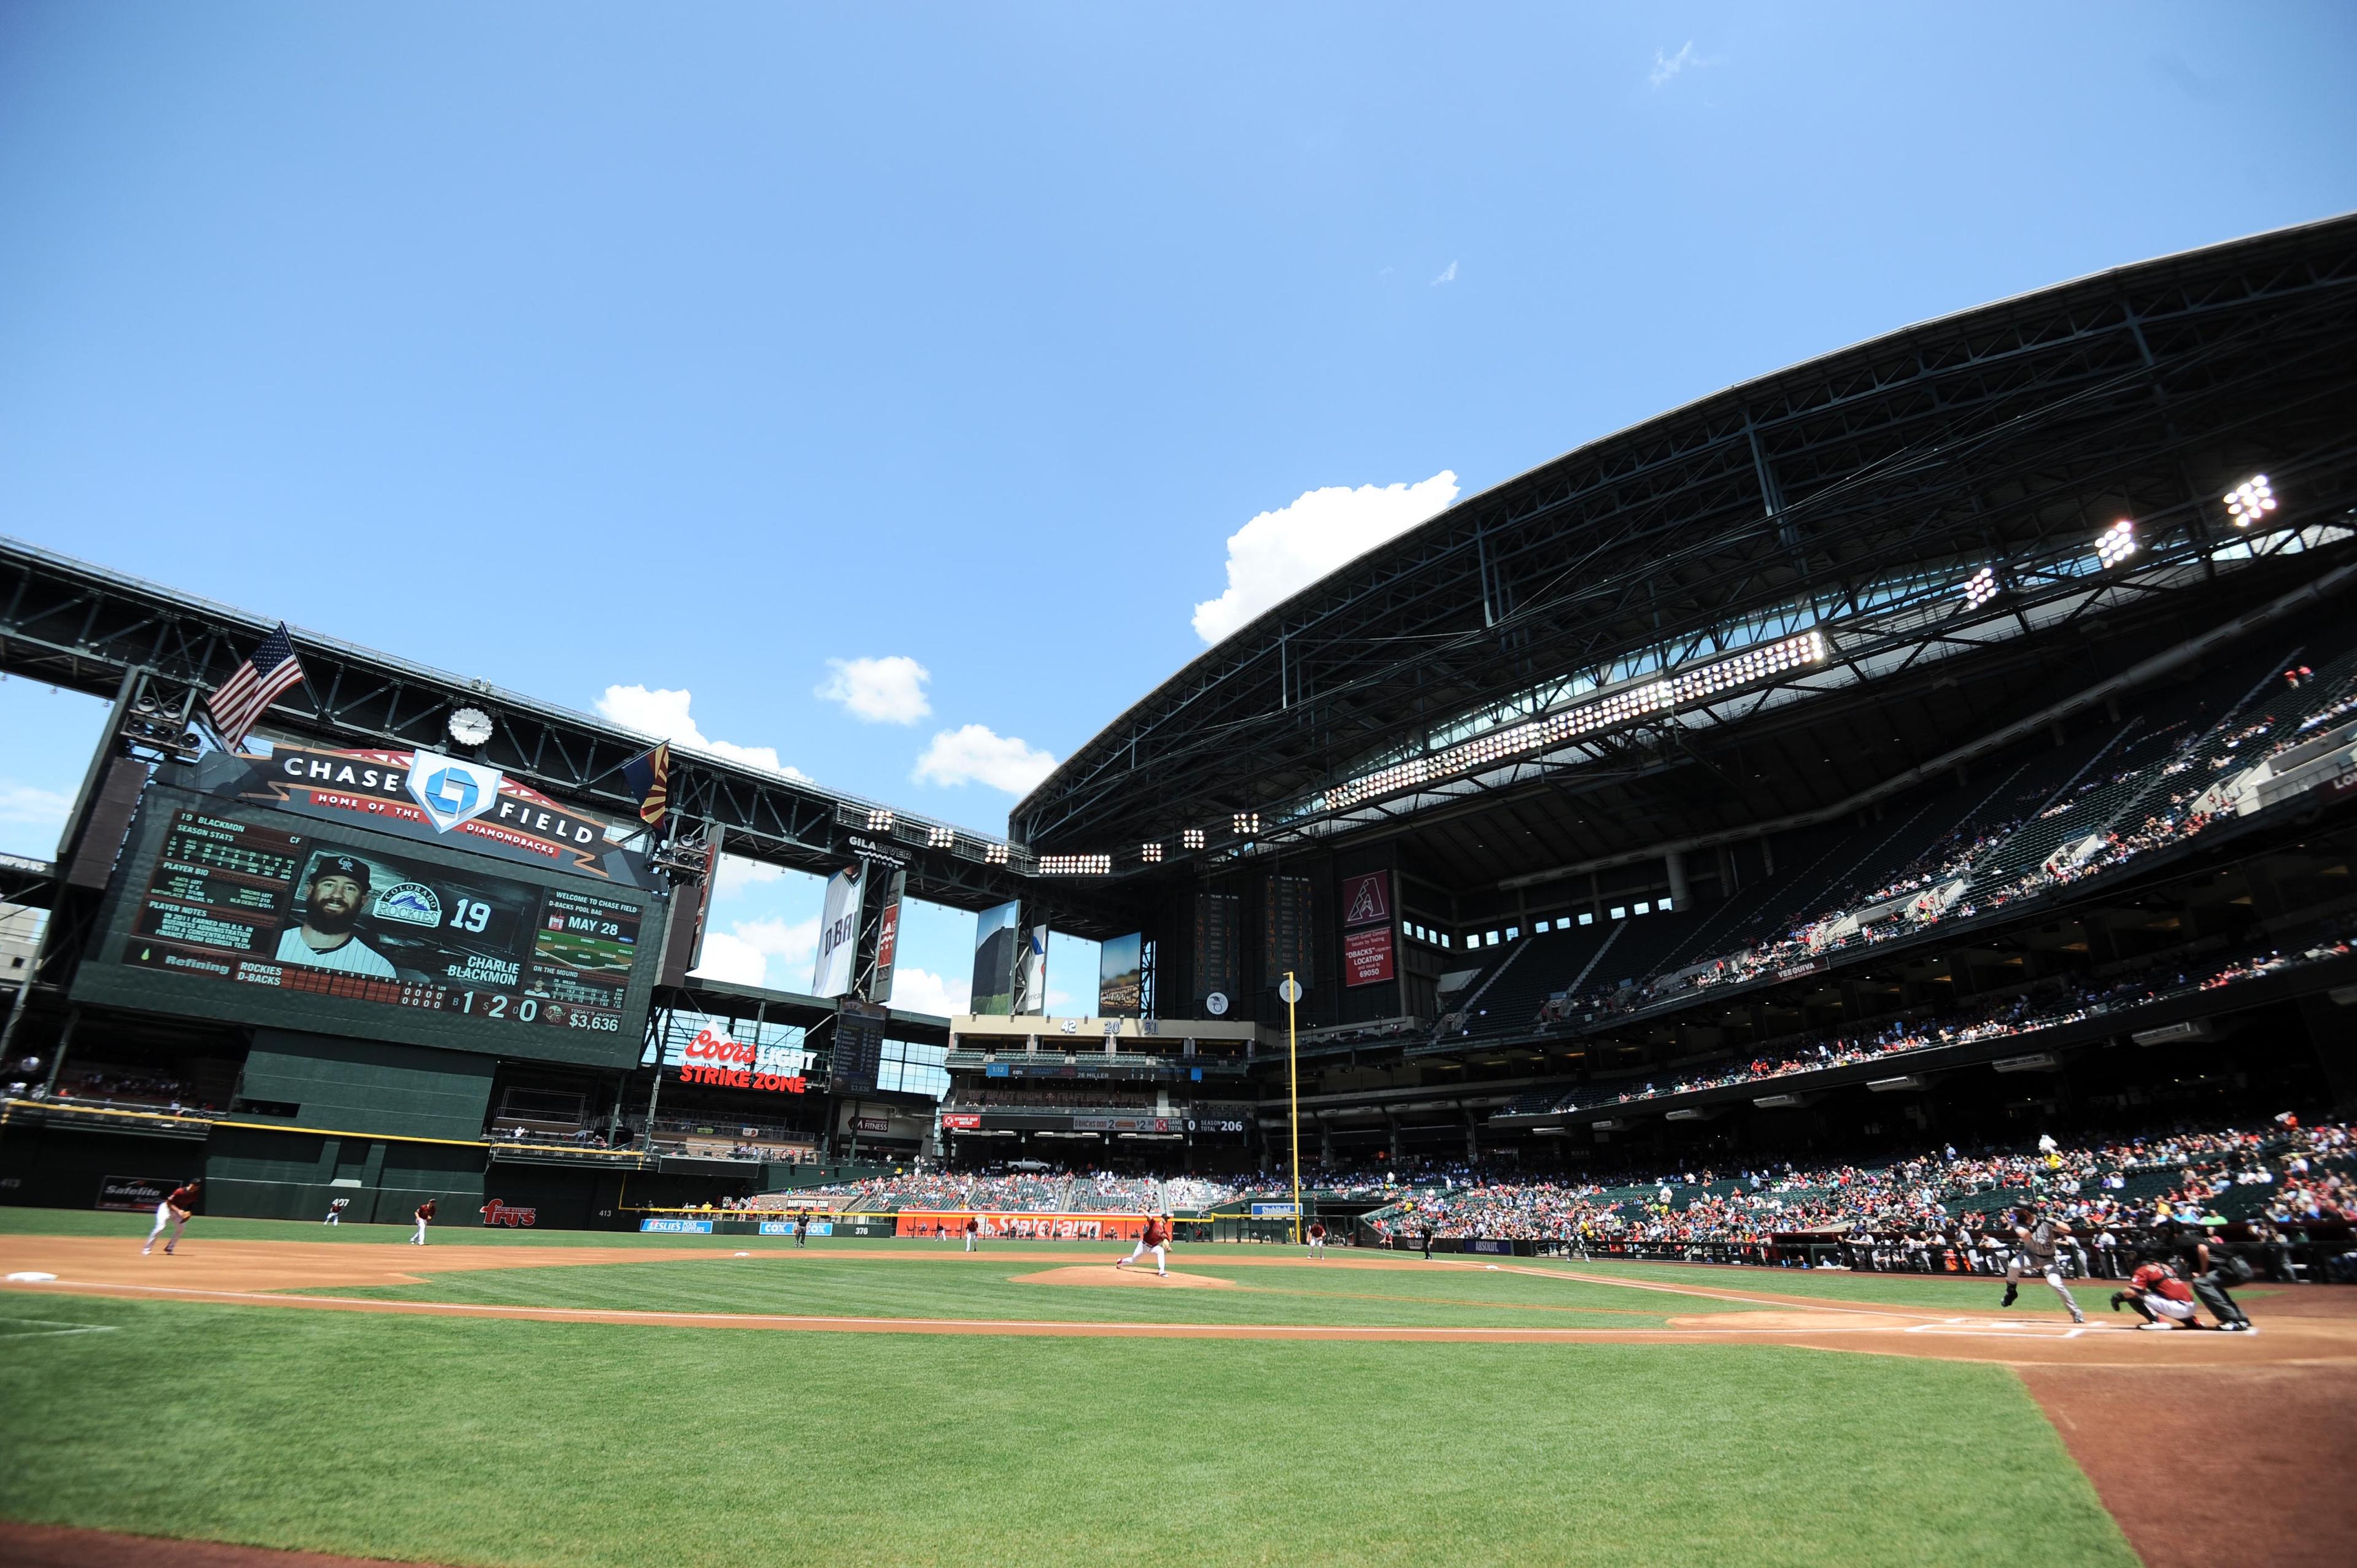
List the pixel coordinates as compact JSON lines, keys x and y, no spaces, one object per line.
{"x":675,"y":1226}
{"x":1024,"y":1227}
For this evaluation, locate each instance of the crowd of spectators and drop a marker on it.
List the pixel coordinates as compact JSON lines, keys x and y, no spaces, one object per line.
{"x":1937,"y":876}
{"x":1004,"y":1191}
{"x":1900,"y":1213}
{"x":105,"y":1085}
{"x":2047,"y":1005}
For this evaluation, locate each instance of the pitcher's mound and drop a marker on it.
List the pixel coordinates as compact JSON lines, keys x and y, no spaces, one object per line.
{"x":1106,"y":1274}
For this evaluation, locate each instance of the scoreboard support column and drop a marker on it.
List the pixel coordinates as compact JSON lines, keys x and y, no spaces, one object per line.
{"x":880,"y":931}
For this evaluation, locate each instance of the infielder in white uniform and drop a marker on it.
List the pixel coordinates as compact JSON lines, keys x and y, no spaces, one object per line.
{"x":2035,"y":1244}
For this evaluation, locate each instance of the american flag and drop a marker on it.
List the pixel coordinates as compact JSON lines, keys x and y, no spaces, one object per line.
{"x":261,"y":680}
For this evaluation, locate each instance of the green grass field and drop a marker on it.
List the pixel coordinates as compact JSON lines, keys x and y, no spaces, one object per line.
{"x":513,"y":1442}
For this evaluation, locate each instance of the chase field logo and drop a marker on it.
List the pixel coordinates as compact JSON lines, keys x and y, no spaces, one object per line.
{"x":451,"y":791}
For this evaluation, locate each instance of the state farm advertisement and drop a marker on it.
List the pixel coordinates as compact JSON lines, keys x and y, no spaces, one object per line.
{"x":1367,"y":956}
{"x":951,"y":1223}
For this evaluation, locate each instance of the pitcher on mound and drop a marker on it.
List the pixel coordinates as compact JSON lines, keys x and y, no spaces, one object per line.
{"x":1156,"y":1240}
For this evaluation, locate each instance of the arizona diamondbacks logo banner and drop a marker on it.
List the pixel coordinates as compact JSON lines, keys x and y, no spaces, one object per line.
{"x":838,"y":934}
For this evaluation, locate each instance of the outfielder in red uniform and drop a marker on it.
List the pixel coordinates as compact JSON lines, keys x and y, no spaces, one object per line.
{"x":1156,"y":1240}
{"x":425,"y":1216}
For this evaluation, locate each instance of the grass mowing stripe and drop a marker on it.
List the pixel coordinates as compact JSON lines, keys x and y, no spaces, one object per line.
{"x":525,"y":1445}
{"x":979,"y":1288}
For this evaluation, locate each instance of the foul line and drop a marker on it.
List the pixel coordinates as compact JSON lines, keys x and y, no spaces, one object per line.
{"x":625,"y":1318}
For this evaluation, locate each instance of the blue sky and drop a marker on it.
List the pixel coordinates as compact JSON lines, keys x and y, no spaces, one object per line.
{"x":906,"y":392}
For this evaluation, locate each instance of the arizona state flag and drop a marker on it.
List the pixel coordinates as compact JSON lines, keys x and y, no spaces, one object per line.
{"x":648,"y":777}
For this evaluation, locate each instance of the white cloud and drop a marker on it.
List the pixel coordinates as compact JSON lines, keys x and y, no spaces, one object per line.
{"x":663,"y":714}
{"x":726,"y":958}
{"x":971,"y":754}
{"x":741,"y":954}
{"x":22,"y":805}
{"x":922,"y":991}
{"x":1292,"y":547}
{"x":878,"y":691}
{"x":792,"y":941}
{"x":737,"y":874}
{"x":1666,"y":67}
{"x":1448,"y":275}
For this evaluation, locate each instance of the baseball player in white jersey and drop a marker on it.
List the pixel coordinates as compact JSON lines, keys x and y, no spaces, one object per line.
{"x":2036,"y":1240}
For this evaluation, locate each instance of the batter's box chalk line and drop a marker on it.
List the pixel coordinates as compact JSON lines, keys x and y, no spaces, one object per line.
{"x":2013,"y":1326}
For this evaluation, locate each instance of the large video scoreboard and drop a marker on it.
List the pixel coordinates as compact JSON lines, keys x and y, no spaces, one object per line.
{"x":271,"y":910}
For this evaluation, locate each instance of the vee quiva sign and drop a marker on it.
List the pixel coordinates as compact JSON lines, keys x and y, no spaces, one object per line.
{"x":713,"y":1057}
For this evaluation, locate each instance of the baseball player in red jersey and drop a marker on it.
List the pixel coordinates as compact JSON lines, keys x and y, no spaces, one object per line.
{"x":1318,"y":1238}
{"x":424,"y":1213}
{"x":1156,"y":1240}
{"x":173,"y":1211}
{"x":2159,"y":1297}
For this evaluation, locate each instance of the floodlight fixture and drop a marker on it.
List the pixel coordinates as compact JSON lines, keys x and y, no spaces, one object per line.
{"x":1150,"y":852}
{"x":879,"y":820}
{"x":1075,"y":865}
{"x":1190,"y":838}
{"x":1247,"y":824}
{"x":2115,"y":543}
{"x":2249,"y":501}
{"x":940,"y":837}
{"x":1980,"y":587}
{"x":993,"y":855}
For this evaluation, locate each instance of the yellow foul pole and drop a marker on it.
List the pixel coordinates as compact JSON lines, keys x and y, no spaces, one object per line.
{"x":1293,"y":1076}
